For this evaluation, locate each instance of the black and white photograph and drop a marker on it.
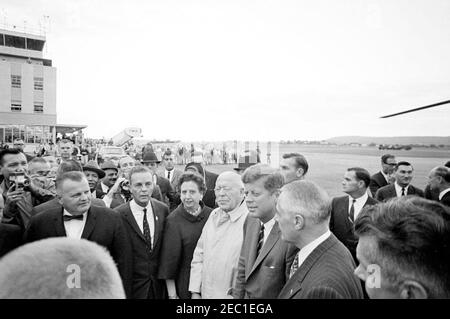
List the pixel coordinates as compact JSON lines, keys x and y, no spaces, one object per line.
{"x":233,"y":152}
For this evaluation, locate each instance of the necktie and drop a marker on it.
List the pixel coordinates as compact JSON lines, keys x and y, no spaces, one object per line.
{"x":294,"y":266}
{"x":403,"y":191}
{"x":168,"y":175}
{"x":223,"y":218}
{"x":260,"y":240}
{"x":70,"y":217}
{"x":146,"y":227}
{"x":352,"y":211}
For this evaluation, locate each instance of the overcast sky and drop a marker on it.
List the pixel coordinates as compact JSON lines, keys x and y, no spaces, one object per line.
{"x":246,"y":69}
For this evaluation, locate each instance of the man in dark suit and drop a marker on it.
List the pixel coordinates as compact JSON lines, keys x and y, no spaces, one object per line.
{"x":383,"y":177}
{"x":169,"y":171}
{"x":401,"y":187}
{"x":265,"y":259}
{"x":77,"y":218}
{"x":144,"y":220}
{"x":323,"y":268}
{"x":210,"y":181}
{"x":109,"y":179}
{"x":344,"y":209}
{"x":439,"y":181}
{"x":10,"y":238}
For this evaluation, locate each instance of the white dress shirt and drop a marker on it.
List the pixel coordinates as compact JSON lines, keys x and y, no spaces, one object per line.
{"x":359,"y":204}
{"x":308,"y":249}
{"x":445,"y":191}
{"x":138,"y":214}
{"x":104,"y":188}
{"x":267,"y":229}
{"x":398,"y":190}
{"x":74,"y":227}
{"x":166,"y":172}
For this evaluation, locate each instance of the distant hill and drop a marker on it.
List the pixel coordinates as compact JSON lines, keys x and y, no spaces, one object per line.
{"x":426,"y":140}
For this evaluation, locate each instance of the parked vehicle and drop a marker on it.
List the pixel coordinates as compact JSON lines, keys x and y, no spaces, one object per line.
{"x":110,"y":153}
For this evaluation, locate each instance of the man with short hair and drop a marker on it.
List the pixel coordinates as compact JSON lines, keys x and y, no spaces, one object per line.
{"x":265,"y":259}
{"x":77,"y":218}
{"x":65,"y":150}
{"x":126,"y":163}
{"x":403,"y":175}
{"x":323,"y":268}
{"x":216,"y":256}
{"x":385,"y":176}
{"x":144,"y":219}
{"x":433,"y":194}
{"x":293,"y":166}
{"x":20,"y":145}
{"x":403,"y":249}
{"x":48,"y":269}
{"x":439,"y":181}
{"x":345,"y":209}
{"x":170,"y":172}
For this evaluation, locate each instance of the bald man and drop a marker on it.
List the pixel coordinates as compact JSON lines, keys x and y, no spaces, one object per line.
{"x":60,"y":268}
{"x":216,"y":256}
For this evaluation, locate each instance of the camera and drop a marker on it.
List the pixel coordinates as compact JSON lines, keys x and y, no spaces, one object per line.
{"x":20,"y":180}
{"x":125,"y":189}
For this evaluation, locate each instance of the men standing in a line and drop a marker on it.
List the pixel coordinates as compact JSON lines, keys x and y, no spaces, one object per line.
{"x":402,"y":186}
{"x":403,"y":249}
{"x":216,"y":256}
{"x":77,"y":218}
{"x":294,"y":167}
{"x":265,"y":259}
{"x":323,"y":268}
{"x":385,"y":176}
{"x":345,"y":209}
{"x":439,"y":181}
{"x":144,"y":220}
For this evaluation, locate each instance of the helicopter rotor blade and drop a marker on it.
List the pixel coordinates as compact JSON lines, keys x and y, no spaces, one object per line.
{"x":416,"y":109}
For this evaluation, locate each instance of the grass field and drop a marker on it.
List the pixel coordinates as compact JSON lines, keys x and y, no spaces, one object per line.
{"x":328,"y":163}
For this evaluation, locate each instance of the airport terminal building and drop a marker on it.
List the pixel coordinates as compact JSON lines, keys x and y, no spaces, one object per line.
{"x":27,"y":90}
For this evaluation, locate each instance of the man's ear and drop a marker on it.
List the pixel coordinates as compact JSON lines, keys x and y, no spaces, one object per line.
{"x":411,"y":289}
{"x":299,"y":222}
{"x":300,"y":172}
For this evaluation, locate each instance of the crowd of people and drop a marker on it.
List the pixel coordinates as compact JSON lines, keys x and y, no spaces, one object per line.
{"x":144,"y":229}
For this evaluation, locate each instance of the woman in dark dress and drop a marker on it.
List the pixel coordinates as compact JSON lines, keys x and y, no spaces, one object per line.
{"x":183,"y":229}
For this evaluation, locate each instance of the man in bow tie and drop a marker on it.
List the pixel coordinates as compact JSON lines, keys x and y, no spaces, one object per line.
{"x":78,"y":219}
{"x":216,"y":256}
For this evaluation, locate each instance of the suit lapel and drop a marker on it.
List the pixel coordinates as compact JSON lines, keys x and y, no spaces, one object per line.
{"x":59,"y":224}
{"x":132,"y":221}
{"x":344,"y":208}
{"x":274,"y":236}
{"x":157,"y":224}
{"x":90,"y":223}
{"x":411,"y":190}
{"x":253,"y":231}
{"x":295,"y":282}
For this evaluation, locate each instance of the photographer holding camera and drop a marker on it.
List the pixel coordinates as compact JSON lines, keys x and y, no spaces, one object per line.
{"x":20,"y":192}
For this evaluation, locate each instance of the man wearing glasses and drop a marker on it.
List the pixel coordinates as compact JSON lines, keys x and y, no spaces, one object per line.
{"x":385,"y":176}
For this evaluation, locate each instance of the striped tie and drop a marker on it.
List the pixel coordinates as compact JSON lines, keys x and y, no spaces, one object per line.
{"x":146,"y":227}
{"x":260,"y":240}
{"x":294,"y":266}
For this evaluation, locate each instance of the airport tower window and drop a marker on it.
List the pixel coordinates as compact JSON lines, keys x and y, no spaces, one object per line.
{"x":16,"y":81}
{"x":16,"y":106}
{"x":2,"y":42}
{"x":14,"y":41}
{"x":39,"y":83}
{"x":38,"y":107}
